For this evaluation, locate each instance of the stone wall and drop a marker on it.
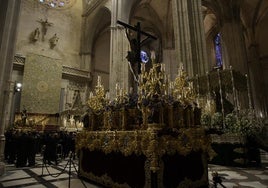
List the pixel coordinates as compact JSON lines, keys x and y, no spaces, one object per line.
{"x":44,"y":76}
{"x":65,"y":23}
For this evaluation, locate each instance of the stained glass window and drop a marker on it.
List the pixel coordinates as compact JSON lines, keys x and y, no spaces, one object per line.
{"x":218,"y":52}
{"x":56,"y":3}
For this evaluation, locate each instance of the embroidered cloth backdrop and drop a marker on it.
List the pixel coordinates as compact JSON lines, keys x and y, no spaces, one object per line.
{"x":41,"y":84}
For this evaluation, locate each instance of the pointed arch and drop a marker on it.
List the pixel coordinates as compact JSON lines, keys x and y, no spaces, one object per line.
{"x":95,"y":23}
{"x":95,"y":43}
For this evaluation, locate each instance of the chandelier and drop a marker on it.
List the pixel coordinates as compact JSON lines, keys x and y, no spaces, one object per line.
{"x":57,"y":3}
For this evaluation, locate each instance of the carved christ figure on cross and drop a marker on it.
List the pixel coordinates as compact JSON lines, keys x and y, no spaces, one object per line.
{"x":44,"y":25}
{"x":135,"y":44}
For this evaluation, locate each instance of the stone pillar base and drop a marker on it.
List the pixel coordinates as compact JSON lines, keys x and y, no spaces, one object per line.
{"x":2,"y":168}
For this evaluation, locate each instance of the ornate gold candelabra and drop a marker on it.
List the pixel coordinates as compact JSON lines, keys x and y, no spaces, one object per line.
{"x":182,"y":88}
{"x":97,"y":102}
{"x":153,"y":82}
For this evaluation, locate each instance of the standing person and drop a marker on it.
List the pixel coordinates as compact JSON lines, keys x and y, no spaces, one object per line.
{"x":51,"y":148}
{"x":8,"y":135}
{"x":44,"y":141}
{"x":71,"y":143}
{"x":22,"y":146}
{"x":12,"y":149}
{"x":65,"y":147}
{"x":32,"y":149}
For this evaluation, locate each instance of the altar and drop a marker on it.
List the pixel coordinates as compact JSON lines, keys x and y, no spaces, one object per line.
{"x":149,"y":139}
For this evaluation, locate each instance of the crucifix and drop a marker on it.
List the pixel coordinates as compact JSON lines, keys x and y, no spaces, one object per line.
{"x":135,"y":44}
{"x":44,"y":25}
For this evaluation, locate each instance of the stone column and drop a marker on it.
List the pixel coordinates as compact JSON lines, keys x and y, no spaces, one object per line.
{"x":189,"y":36}
{"x":233,"y":44}
{"x":119,"y":69}
{"x":257,"y":82}
{"x":85,"y":51}
{"x":86,"y":61}
{"x":9,"y":15}
{"x":234,"y":53}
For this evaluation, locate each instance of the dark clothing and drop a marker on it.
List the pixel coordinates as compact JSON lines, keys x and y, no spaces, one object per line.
{"x":50,"y":153}
{"x":22,"y":151}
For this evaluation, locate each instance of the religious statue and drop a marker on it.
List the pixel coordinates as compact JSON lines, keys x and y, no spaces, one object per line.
{"x":44,"y":24}
{"x":35,"y":35}
{"x":53,"y":41}
{"x":24,"y":116}
{"x":132,"y":55}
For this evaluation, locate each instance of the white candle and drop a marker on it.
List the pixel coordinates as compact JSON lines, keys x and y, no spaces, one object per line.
{"x":142,"y":67}
{"x":64,"y":122}
{"x":90,"y":95}
{"x":163,"y":67}
{"x":191,"y":85}
{"x":107,"y":95}
{"x":99,"y":81}
{"x":180,"y":69}
{"x":131,"y":90}
{"x":179,"y":72}
{"x":153,"y":55}
{"x":116,"y":86}
{"x":181,"y":66}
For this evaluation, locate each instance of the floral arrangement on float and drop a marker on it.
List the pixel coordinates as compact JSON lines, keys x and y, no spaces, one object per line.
{"x":246,"y":123}
{"x":227,"y":117}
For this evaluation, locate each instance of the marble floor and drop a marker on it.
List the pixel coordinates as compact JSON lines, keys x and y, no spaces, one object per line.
{"x":38,"y":177}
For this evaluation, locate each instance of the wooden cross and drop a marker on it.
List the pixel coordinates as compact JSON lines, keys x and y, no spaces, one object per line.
{"x":137,"y":45}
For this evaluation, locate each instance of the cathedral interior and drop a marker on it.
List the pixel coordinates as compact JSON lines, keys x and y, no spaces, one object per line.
{"x":155,"y":85}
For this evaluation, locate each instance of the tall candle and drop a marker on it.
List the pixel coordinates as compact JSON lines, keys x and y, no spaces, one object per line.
{"x":90,"y":95}
{"x":142,"y":67}
{"x":180,"y":69}
{"x":191,"y":85}
{"x":117,"y":89}
{"x":153,"y":55}
{"x":249,"y":96}
{"x":99,"y":81}
{"x":107,"y":96}
{"x":131,"y":90}
{"x":116,"y":86}
{"x":163,"y":68}
{"x":234,"y":92}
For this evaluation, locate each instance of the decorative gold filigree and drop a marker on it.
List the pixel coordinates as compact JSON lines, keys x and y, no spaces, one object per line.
{"x":145,"y":142}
